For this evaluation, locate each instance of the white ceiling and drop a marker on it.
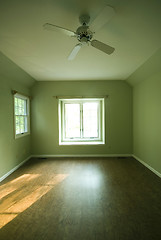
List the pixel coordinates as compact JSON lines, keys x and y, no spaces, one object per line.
{"x":134,"y":32}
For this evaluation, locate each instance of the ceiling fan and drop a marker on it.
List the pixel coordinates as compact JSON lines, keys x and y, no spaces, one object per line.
{"x":84,"y":34}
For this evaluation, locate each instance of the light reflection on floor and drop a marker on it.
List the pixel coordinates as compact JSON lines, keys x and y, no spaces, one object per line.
{"x":15,"y":184}
{"x":19,"y":194}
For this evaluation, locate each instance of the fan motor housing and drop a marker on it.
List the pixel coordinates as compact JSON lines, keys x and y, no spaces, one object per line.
{"x":84,"y":34}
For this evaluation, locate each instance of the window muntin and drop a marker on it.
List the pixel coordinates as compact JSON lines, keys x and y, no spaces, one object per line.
{"x":21,"y":115}
{"x":81,"y":121}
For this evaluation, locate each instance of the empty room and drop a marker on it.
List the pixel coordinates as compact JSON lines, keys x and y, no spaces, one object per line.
{"x":80,"y":120}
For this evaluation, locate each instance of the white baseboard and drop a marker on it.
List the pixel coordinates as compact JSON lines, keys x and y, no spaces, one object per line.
{"x":80,"y":155}
{"x":146,"y":165}
{"x":14,"y":169}
{"x":97,"y":155}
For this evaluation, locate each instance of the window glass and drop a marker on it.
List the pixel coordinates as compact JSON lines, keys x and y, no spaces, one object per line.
{"x":90,"y":120}
{"x":72,"y":120}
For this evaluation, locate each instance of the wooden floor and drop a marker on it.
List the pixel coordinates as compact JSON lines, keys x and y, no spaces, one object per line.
{"x":81,"y":199}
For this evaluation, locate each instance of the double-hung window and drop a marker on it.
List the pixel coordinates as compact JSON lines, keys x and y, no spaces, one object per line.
{"x":21,"y":115}
{"x":81,"y":121}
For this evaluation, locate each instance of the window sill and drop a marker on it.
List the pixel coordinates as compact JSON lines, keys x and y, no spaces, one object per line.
{"x":21,"y":135}
{"x":82,"y":143}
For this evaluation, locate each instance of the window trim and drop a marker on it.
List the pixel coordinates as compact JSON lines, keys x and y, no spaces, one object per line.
{"x":85,"y":141}
{"x":19,"y":135}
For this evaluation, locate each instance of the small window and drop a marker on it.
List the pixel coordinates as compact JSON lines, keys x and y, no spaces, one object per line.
{"x":21,"y":115}
{"x":81,"y":121}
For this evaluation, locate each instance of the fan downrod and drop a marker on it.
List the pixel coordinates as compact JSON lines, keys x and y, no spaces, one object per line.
{"x":84,"y":19}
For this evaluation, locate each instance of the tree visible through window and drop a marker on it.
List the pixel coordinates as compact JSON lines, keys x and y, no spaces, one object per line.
{"x":81,"y":121}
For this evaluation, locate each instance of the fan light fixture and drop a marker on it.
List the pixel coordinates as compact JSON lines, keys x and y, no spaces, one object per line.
{"x":84,"y":34}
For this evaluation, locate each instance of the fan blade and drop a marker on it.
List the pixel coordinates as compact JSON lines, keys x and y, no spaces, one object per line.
{"x":74,"y":52}
{"x":102,"y":46}
{"x":105,"y":15}
{"x":51,"y":27}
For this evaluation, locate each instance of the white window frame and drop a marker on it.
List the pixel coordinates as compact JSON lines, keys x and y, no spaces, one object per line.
{"x":82,"y":141}
{"x":17,"y":95}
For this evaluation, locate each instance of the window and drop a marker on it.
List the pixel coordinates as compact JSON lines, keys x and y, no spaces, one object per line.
{"x":21,"y":115}
{"x":81,"y":121}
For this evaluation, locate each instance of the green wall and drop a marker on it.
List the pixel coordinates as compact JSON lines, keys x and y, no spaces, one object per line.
{"x":45,"y":117}
{"x":12,"y":151}
{"x":147,"y":121}
{"x":146,"y":82}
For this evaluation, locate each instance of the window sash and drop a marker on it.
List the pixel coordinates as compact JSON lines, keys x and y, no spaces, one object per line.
{"x":82,"y":138}
{"x":21,"y":124}
{"x":97,"y":118}
{"x":81,"y":121}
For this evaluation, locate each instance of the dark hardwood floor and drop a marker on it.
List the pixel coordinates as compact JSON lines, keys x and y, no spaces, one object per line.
{"x":81,"y":199}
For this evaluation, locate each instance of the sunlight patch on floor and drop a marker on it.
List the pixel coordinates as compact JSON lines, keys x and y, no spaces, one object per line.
{"x":17,"y":197}
{"x":15,"y":184}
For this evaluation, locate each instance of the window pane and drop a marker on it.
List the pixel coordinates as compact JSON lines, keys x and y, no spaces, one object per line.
{"x":25,"y":107}
{"x":90,"y":120}
{"x":22,"y":124}
{"x":22,"y":107}
{"x":26,"y":127}
{"x":19,"y":106}
{"x":72,"y":120}
{"x":16,"y":106}
{"x":17,"y":125}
